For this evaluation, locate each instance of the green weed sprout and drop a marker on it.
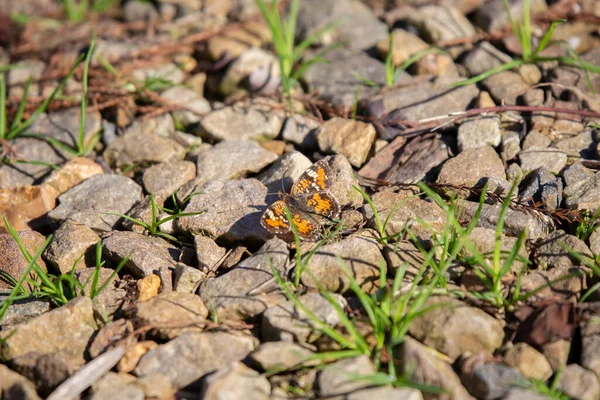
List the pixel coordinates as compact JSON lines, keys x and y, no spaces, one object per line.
{"x":153,"y":226}
{"x":522,"y":29}
{"x":283,"y":32}
{"x":588,"y":224}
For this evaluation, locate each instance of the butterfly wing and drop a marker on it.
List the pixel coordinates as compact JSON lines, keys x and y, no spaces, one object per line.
{"x":316,"y":178}
{"x":318,"y":204}
{"x":274,"y":219}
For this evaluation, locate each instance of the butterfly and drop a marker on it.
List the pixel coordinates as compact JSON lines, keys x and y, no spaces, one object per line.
{"x":309,"y":203}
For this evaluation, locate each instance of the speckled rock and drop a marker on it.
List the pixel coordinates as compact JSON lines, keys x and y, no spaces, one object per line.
{"x":361,"y":255}
{"x":228,"y":295}
{"x":12,"y":260}
{"x":72,"y":242}
{"x":88,"y":202}
{"x":455,"y":328}
{"x":352,"y":139}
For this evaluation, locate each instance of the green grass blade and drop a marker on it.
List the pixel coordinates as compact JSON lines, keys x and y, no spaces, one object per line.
{"x":389,"y":65}
{"x":2,"y":107}
{"x":504,"y":67}
{"x":22,"y":103}
{"x":46,"y":102}
{"x":547,"y":36}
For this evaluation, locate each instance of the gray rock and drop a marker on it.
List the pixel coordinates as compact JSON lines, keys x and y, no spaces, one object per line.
{"x":187,"y":279}
{"x":165,"y":178}
{"x":576,"y":173}
{"x":235,"y":219}
{"x":484,"y":240}
{"x":516,"y":393}
{"x":343,"y":376}
{"x":73,"y":246}
{"x":483,"y":58}
{"x":62,"y":126}
{"x":12,"y":260}
{"x":142,"y":149}
{"x":584,"y":195}
{"x":590,"y":348}
{"x":471,"y":168}
{"x":479,"y":132}
{"x":579,"y":383}
{"x":533,"y":97}
{"x":455,"y":328}
{"x":172,"y":313}
{"x":493,"y":381}
{"x":568,"y":283}
{"x":405,"y":211}
{"x":162,"y":126}
{"x":455,"y":26}
{"x":241,"y":123}
{"x":229,"y":294}
{"x":416,"y":160}
{"x":65,"y":331}
{"x":271,"y":356}
{"x":21,"y":310}
{"x":88,"y":202}
{"x":528,"y":361}
{"x":146,"y":255}
{"x":511,"y":145}
{"x":360,"y":29}
{"x":314,"y":16}
{"x":343,"y":180}
{"x":505,"y":87}
{"x":549,"y":158}
{"x":300,"y":130}
{"x":515,"y":221}
{"x":12,"y":383}
{"x":47,"y":371}
{"x":185,"y":97}
{"x":536,"y":139}
{"x":108,"y":300}
{"x":167,"y":71}
{"x":386,"y":393}
{"x":235,"y":382}
{"x":286,"y":322}
{"x":18,"y":76}
{"x":190,"y":356}
{"x":352,"y":139}
{"x":557,"y":353}
{"x":138,"y":10}
{"x":428,"y":369}
{"x":284,"y":172}
{"x":494,"y":16}
{"x":422,"y":100}
{"x":232,"y":160}
{"x":338,"y":80}
{"x":405,"y":45}
{"x":208,"y":253}
{"x":361,"y":255}
{"x":251,"y":61}
{"x":552,"y":254}
{"x":541,"y":186}
{"x":580,"y":146}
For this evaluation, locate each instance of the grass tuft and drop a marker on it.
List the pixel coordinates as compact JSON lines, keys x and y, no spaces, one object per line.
{"x":35,"y":282}
{"x":283,"y":32}
{"x":531,"y":55}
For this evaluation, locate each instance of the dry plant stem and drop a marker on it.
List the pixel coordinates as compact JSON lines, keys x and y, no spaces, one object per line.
{"x":497,"y":109}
